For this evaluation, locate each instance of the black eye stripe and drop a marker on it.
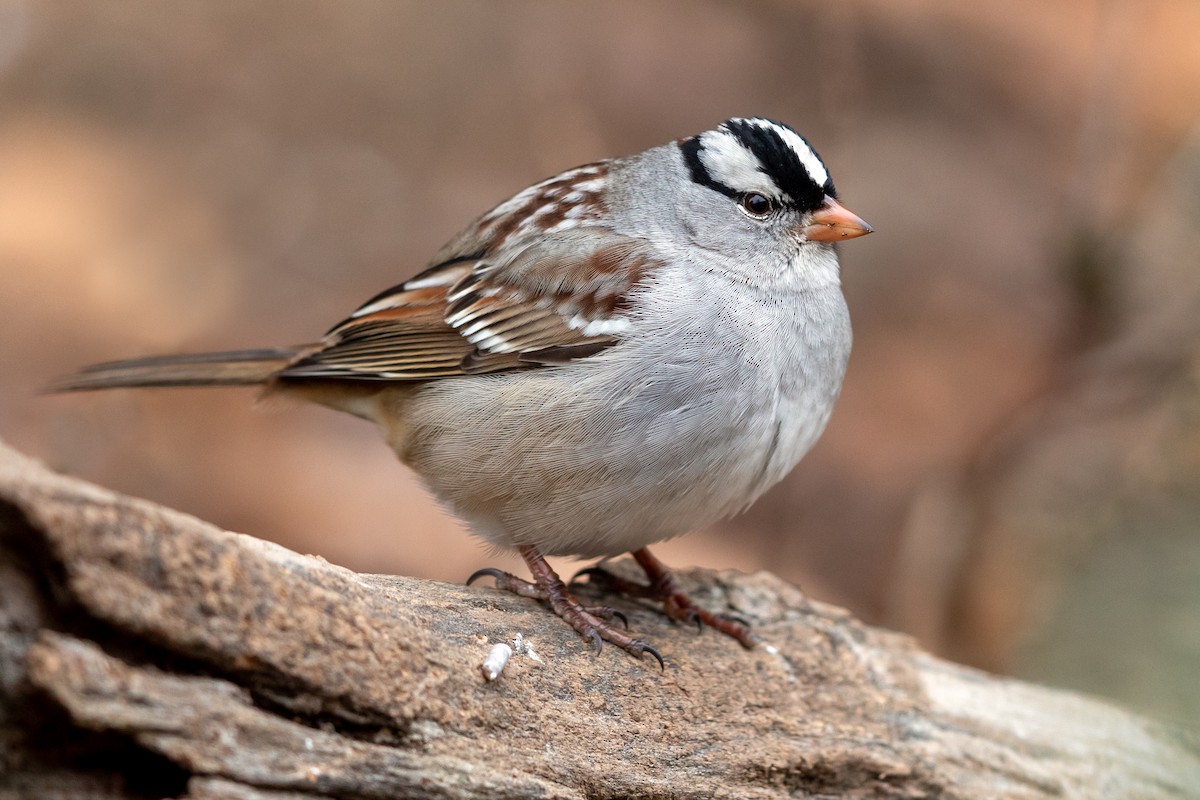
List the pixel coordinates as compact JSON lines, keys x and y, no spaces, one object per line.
{"x":691,"y":156}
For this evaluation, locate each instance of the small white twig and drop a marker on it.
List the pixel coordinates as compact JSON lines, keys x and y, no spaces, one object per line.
{"x":495,"y":662}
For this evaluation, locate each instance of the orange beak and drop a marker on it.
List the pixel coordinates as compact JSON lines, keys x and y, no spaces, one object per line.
{"x":833,"y":222}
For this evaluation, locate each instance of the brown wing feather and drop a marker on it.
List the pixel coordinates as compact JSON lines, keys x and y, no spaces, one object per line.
{"x":544,"y":301}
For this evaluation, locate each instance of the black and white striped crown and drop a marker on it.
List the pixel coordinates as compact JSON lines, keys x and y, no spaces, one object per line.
{"x":759,"y":155}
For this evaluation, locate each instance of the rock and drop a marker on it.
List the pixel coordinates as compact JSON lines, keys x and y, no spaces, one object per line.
{"x":144,"y":652}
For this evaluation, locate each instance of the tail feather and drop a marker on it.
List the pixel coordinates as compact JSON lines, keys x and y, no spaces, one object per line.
{"x":233,"y":368}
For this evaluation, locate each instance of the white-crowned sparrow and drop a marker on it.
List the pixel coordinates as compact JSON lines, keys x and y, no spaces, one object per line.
{"x":617,"y":355}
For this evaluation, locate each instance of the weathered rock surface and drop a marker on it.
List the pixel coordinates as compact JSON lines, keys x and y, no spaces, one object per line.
{"x":145,"y":653}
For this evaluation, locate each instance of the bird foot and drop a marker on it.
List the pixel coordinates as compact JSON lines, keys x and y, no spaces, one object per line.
{"x":676,"y":603}
{"x":594,"y":623}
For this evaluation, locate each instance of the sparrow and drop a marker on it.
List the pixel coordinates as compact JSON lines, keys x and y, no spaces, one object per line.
{"x":620,"y":354}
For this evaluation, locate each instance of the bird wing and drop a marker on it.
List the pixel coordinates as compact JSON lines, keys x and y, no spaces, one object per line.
{"x":544,"y":300}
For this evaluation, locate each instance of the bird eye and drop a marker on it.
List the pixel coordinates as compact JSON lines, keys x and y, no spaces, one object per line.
{"x":756,"y":205}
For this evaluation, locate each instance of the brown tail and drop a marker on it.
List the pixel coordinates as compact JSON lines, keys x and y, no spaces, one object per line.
{"x":234,"y":368}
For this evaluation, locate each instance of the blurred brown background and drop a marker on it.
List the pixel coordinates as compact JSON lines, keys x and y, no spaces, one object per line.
{"x":1013,"y":472}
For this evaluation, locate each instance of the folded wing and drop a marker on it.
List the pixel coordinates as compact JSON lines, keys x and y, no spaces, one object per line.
{"x":552,"y":298}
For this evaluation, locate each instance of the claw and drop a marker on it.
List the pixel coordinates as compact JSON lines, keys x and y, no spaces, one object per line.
{"x":498,"y":574}
{"x":624,"y":619}
{"x":645,"y":648}
{"x":593,"y":570}
{"x":595,"y":636}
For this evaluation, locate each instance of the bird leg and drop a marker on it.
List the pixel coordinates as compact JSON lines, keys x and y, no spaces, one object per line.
{"x":591,"y":622}
{"x":676,"y":603}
